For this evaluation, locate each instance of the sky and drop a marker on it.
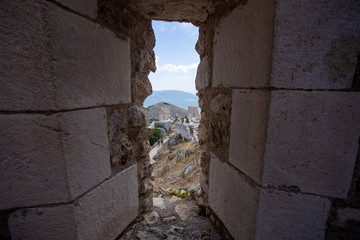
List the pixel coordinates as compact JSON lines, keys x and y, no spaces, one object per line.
{"x":176,"y":57}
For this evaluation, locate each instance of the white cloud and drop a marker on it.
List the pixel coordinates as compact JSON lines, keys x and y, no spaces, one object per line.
{"x":178,"y":68}
{"x":189,"y":28}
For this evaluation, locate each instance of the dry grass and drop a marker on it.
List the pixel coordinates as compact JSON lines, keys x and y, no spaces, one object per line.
{"x":169,"y":170}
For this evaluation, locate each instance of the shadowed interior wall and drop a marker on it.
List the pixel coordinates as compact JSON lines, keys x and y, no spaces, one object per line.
{"x":278,"y":90}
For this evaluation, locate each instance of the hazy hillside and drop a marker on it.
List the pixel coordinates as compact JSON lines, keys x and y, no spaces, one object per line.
{"x":154,"y":111}
{"x":174,"y":97}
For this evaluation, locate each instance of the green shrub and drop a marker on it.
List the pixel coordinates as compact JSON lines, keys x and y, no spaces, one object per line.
{"x":155,"y":136}
{"x":160,"y":126}
{"x":176,"y":119}
{"x":186,"y":119}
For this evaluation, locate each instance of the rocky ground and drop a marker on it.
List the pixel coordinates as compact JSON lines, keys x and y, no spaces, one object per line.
{"x":177,"y":166}
{"x":171,"y":218}
{"x":176,"y":171}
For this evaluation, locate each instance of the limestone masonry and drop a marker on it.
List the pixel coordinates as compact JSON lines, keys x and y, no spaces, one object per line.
{"x":279,"y":93}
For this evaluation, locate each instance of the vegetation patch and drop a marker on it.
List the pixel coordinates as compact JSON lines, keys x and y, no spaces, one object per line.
{"x":156,"y":136}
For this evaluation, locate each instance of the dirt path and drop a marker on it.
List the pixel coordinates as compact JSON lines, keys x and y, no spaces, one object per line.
{"x":171,"y":218}
{"x":154,"y":151}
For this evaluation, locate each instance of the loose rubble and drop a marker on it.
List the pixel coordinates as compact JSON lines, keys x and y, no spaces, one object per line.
{"x":178,"y":220}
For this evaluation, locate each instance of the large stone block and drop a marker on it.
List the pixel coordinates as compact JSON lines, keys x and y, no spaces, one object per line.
{"x":183,"y":130}
{"x":248,"y":131}
{"x":202,"y":79}
{"x":52,"y":59}
{"x":316,"y":44}
{"x":243,"y":46}
{"x":284,"y":215}
{"x":51,"y":159}
{"x":101,"y":214}
{"x":105,"y":212}
{"x":233,"y":200}
{"x":85,"y":7}
{"x":312,"y":141}
{"x":56,"y":223}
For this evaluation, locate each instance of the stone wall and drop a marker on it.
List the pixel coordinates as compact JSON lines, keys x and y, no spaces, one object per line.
{"x":74,"y":152}
{"x":278,"y":88}
{"x":280,"y":126}
{"x":130,"y":143}
{"x":183,"y":130}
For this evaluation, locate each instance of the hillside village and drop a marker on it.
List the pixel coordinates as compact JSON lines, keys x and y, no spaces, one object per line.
{"x":175,"y":157}
{"x":176,"y":140}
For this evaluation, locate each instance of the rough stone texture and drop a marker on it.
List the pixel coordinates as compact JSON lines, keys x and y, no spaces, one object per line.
{"x":147,"y":185}
{"x":174,"y":199}
{"x":107,"y":210}
{"x":233,"y":200}
{"x":248,"y":131}
{"x":245,"y":37}
{"x":100,"y":214}
{"x":283,"y":215}
{"x":123,"y":21}
{"x":202,"y":79}
{"x":122,"y":142}
{"x":316,"y":44}
{"x":343,"y":221}
{"x":187,"y":10}
{"x":85,"y":7}
{"x":59,"y":60}
{"x":183,"y":130}
{"x":151,"y":218}
{"x":214,"y":130}
{"x":193,"y":111}
{"x":159,"y":203}
{"x":52,"y":159}
{"x":310,"y":144}
{"x":43,"y":223}
{"x":186,"y":210}
{"x":141,"y":87}
{"x":136,"y":116}
{"x":166,"y":225}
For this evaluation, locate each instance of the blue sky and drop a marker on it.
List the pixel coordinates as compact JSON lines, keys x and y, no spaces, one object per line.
{"x":176,"y":57}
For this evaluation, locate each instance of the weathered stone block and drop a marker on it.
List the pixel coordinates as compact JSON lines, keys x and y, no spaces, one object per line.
{"x":202,"y":79}
{"x":107,"y":210}
{"x":233,"y":200}
{"x":285,"y":215}
{"x":312,"y":141}
{"x":316,"y":44}
{"x":53,"y":59}
{"x":56,"y":223}
{"x":86,"y":7}
{"x":101,"y":214}
{"x":243,"y":46}
{"x":248,"y":131}
{"x":183,"y":130}
{"x":51,"y":159}
{"x":187,"y":10}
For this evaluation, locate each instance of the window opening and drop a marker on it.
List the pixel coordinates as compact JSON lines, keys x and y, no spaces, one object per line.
{"x":173,"y":111}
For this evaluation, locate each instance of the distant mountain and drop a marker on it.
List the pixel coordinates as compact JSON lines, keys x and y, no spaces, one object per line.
{"x":164,"y":111}
{"x":174,"y":97}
